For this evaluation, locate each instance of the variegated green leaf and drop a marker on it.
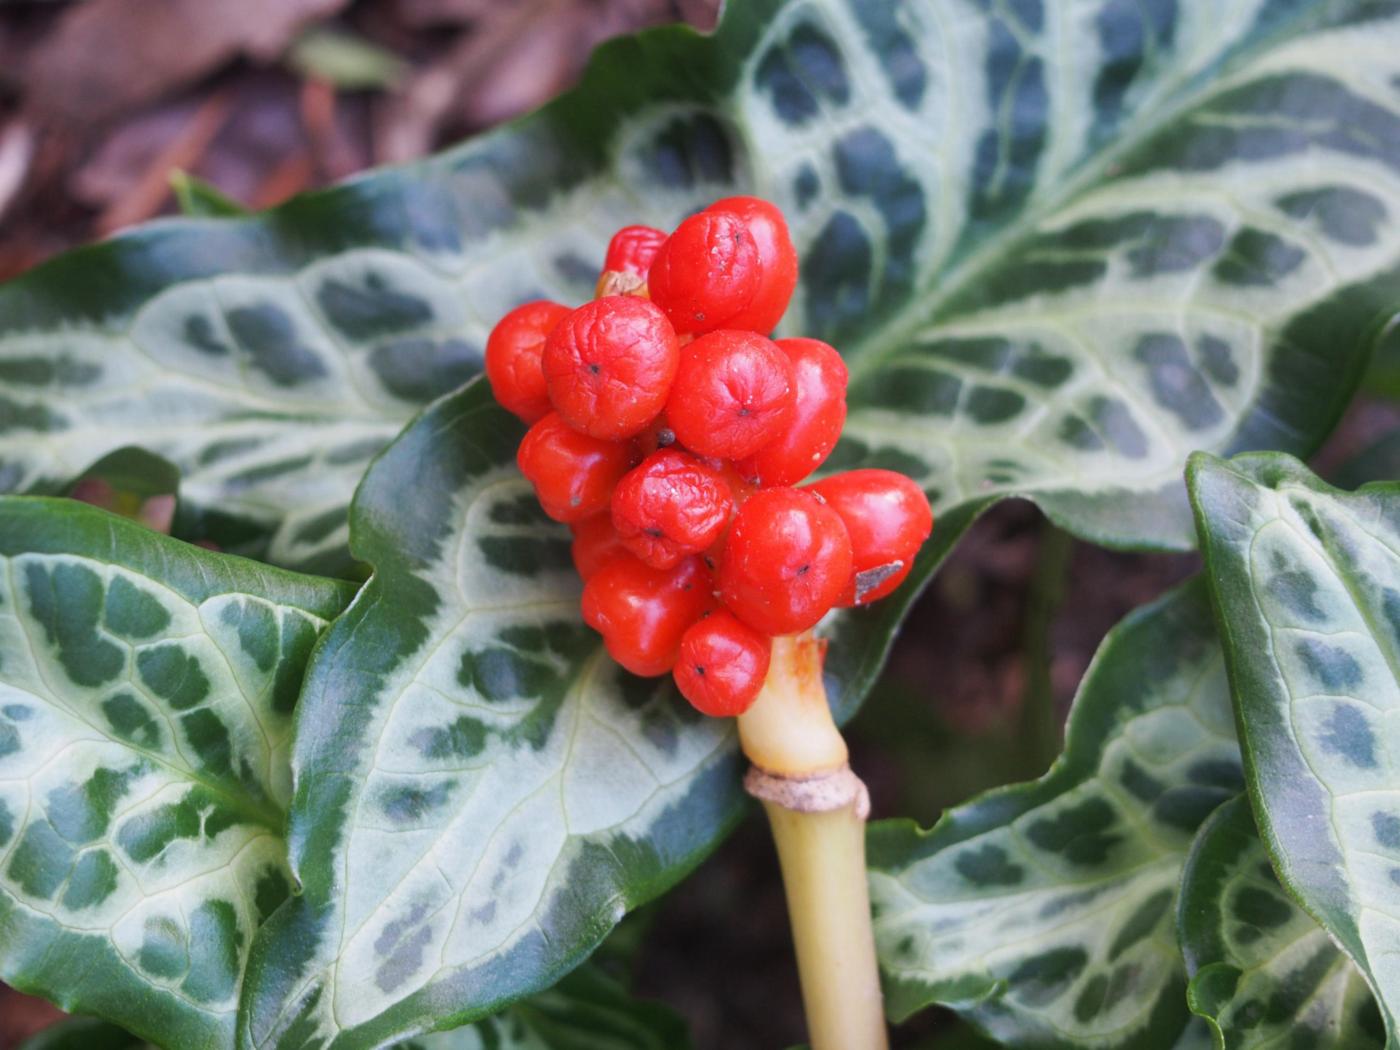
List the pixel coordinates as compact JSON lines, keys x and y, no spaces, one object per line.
{"x":1043,"y":911}
{"x":1263,"y":972}
{"x":146,"y":690}
{"x":481,"y":792}
{"x":585,"y":1011}
{"x":1062,"y":243}
{"x":1306,"y":581}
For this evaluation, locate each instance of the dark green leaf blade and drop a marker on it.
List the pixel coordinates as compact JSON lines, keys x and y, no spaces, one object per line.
{"x":1306,"y":582}
{"x":1043,"y":911}
{"x":481,"y":793}
{"x":1263,"y":972}
{"x":146,"y":689}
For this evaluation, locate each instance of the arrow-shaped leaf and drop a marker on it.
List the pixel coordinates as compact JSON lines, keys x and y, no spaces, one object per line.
{"x":1043,"y":911}
{"x":1306,"y":580}
{"x":146,"y":690}
{"x":481,"y":792}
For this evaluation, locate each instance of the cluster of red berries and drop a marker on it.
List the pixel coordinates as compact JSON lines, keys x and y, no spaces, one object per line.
{"x":667,"y":430}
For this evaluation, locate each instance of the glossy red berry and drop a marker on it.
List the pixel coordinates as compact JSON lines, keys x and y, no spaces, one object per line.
{"x":786,"y":561}
{"x":888,"y":519}
{"x":670,"y":506}
{"x":642,"y":612}
{"x":513,"y":358}
{"x":722,"y":664}
{"x":596,"y":543}
{"x":633,"y":249}
{"x":777,"y":262}
{"x":733,"y":394}
{"x":707,"y":272}
{"x":573,"y":474}
{"x":609,"y":366}
{"x":818,"y":414}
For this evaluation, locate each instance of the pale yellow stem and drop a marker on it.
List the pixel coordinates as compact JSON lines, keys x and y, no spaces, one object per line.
{"x":817,"y":808}
{"x":788,"y":730}
{"x":823,"y":861}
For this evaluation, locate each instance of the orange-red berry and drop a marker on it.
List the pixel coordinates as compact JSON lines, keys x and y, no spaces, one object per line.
{"x":733,"y":394}
{"x":887,"y":517}
{"x":786,"y":561}
{"x":573,"y":474}
{"x":707,"y":272}
{"x":642,"y":612}
{"x":513,"y":352}
{"x":722,"y":664}
{"x":633,"y":249}
{"x":818,"y":414}
{"x":670,"y":506}
{"x":609,"y":366}
{"x":777,"y":262}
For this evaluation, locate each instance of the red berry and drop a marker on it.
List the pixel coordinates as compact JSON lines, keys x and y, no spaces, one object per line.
{"x":786,"y":560}
{"x":733,"y":394}
{"x":777,"y":259}
{"x":888,"y":519}
{"x":573,"y":473}
{"x":819,"y":413}
{"x":609,"y":366}
{"x":706,"y":273}
{"x":513,"y":352}
{"x":642,"y":612}
{"x":632,"y":250}
{"x":670,"y":506}
{"x":722,"y":664}
{"x":596,"y":543}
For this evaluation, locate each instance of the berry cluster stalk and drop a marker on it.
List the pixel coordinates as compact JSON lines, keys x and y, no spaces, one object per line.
{"x":817,"y":808}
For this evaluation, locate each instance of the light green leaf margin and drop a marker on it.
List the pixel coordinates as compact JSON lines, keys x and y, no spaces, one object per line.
{"x":1306,"y":583}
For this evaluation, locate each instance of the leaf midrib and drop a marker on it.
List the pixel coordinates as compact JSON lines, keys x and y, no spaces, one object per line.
{"x":949,"y":285}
